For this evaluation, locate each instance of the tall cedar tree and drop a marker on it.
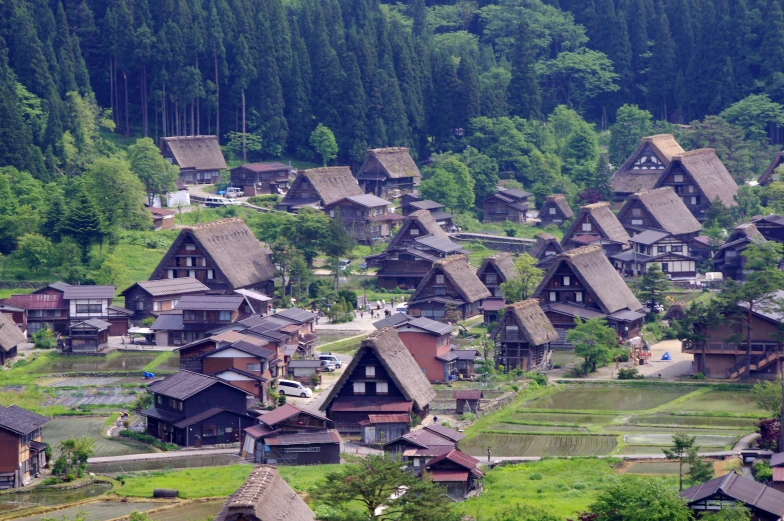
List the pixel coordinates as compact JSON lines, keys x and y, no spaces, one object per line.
{"x":269,"y":93}
{"x":662,"y":77}
{"x":469,"y":83}
{"x":523,"y":92}
{"x":83,"y":223}
{"x":772,"y":48}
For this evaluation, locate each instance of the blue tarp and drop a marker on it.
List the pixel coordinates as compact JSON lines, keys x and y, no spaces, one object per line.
{"x":666,"y":356}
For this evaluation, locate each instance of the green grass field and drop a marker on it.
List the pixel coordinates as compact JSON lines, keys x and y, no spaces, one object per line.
{"x":191,"y":483}
{"x":60,"y":429}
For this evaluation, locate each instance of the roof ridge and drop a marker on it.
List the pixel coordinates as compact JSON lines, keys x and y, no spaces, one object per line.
{"x":388,"y":149}
{"x":592,"y":206}
{"x":227,"y":220}
{"x":654,"y":190}
{"x":450,"y":259}
{"x":728,"y":479}
{"x":583,"y":250}
{"x":696,"y":152}
{"x":648,"y":139}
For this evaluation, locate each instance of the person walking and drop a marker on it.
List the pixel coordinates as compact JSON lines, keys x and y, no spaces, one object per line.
{"x":488,"y":454}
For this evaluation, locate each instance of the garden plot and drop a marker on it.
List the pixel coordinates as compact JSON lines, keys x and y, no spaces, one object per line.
{"x":122,"y":362}
{"x":184,"y":462}
{"x":191,"y":512}
{"x":696,"y":421}
{"x":733,"y":402}
{"x":93,"y":396}
{"x":518,"y":445}
{"x":656,"y":467}
{"x":608,"y":398}
{"x":60,"y":429}
{"x":567,"y":418}
{"x":642,"y":449}
{"x":516,"y":427}
{"x":97,"y":381}
{"x":703,"y":440}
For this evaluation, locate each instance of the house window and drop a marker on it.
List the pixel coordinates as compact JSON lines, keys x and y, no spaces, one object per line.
{"x":382,"y":388}
{"x":140,"y":305}
{"x":332,"y":213}
{"x":370,"y":371}
{"x":491,"y":278}
{"x":665,"y":267}
{"x":636,"y":222}
{"x":88,"y":308}
{"x":678,"y":178}
{"x":210,"y":274}
{"x":190,"y":247}
{"x":170,"y":274}
{"x":156,"y":306}
{"x":224,"y":316}
{"x":159,"y":399}
{"x":439,"y":279}
{"x":416,"y":462}
{"x":661,"y":249}
{"x":175,"y":302}
{"x":677,"y":249}
{"x":192,"y":273}
{"x":512,"y":332}
{"x":552,"y":210}
{"x":359,"y":387}
{"x":567,"y":280}
{"x":209,"y":431}
{"x":586,"y":227}
{"x":578,"y":296}
{"x":414,"y":231}
{"x":636,"y":212}
{"x":189,"y":261}
{"x":695,"y":199}
{"x":253,"y":368}
{"x":690,"y":189}
{"x":553,"y":296}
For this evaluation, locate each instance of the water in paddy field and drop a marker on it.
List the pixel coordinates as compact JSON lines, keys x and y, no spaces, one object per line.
{"x":50,"y":497}
{"x":95,"y":363}
{"x":97,"y":511}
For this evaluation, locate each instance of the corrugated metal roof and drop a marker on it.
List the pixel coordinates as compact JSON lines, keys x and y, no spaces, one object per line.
{"x":161,"y":287}
{"x":437,"y":243}
{"x":184,"y":384}
{"x":368,"y":200}
{"x":445,"y":432}
{"x":440,"y":476}
{"x":38,"y":301}
{"x":304,"y":438}
{"x":284,"y":412}
{"x":295,"y":315}
{"x":388,"y":418}
{"x":305,"y":364}
{"x":167,"y":323}
{"x":19,"y":420}
{"x":370,"y":404}
{"x":210,"y":302}
{"x":255,"y":295}
{"x":88,"y":292}
{"x":468,"y":394}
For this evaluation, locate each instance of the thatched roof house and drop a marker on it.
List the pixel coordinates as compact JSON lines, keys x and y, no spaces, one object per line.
{"x":387,"y":169}
{"x":10,"y":337}
{"x":729,"y":258}
{"x":596,"y":224}
{"x":522,"y":336}
{"x":555,"y":210}
{"x":199,"y":157}
{"x":265,"y":496}
{"x":228,"y":256}
{"x":545,"y":249}
{"x":643,"y":167}
{"x":399,"y":385}
{"x":450,"y":282}
{"x":699,"y":177}
{"x":769,"y":175}
{"x":320,"y":187}
{"x":659,"y":209}
{"x":495,"y":270}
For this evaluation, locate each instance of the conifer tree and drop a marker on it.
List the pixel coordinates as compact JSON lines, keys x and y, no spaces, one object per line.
{"x":269,"y":105}
{"x":245,"y":72}
{"x":354,"y":141}
{"x":469,"y":96}
{"x":772,"y":48}
{"x":83,"y":223}
{"x":523,"y":92}
{"x":217,"y":52}
{"x":661,"y":78}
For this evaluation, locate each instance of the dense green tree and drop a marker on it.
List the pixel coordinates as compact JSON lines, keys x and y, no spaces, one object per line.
{"x":593,"y":341}
{"x":269,"y":93}
{"x":118,"y":194}
{"x":34,"y":251}
{"x":772,"y":47}
{"x":683,"y":450}
{"x":653,"y":284}
{"x":83,"y":223}
{"x":323,"y":142}
{"x":158,"y":175}
{"x":468,"y":103}
{"x":523,"y":285}
{"x":728,"y":142}
{"x":736,"y":512}
{"x":523,"y":91}
{"x":484,"y":172}
{"x":112,"y":271}
{"x":662,"y":77}
{"x":631,"y":125}
{"x":639,"y":499}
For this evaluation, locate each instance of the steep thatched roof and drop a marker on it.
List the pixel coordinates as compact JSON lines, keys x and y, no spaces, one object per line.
{"x":198,"y":152}
{"x":634,"y":177}
{"x":231,"y":247}
{"x":457,"y":270}
{"x":666,"y":208}
{"x":560,"y":202}
{"x":767,"y":175}
{"x":741,"y":234}
{"x":531,"y":320}
{"x":594,"y":270}
{"x":708,"y":173}
{"x":399,"y":363}
{"x":10,"y":335}
{"x":394,"y":162}
{"x":543,"y":241}
{"x":504,"y":264}
{"x":267,"y":497}
{"x":607,"y":224}
{"x":422,"y":219}
{"x":332,"y":183}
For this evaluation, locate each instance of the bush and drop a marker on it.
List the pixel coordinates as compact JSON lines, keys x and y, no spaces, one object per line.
{"x":149,"y":440}
{"x":761,"y":470}
{"x":50,"y":481}
{"x":539,"y":378}
{"x":629,"y":374}
{"x":698,"y":376}
{"x":44,"y":339}
{"x":535,"y":476}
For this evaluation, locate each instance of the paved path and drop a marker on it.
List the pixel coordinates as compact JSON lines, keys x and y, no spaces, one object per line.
{"x":161,"y":455}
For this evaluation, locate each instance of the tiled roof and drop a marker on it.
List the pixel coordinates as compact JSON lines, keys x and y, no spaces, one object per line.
{"x":284,"y":412}
{"x":19,"y":420}
{"x":177,"y":286}
{"x":210,"y":302}
{"x":185,"y":384}
{"x":87,"y":292}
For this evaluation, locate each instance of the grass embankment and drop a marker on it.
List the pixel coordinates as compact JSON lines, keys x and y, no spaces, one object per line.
{"x":346,"y":346}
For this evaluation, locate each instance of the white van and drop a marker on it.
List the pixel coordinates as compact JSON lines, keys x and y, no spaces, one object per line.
{"x":334,"y":360}
{"x":234,"y":191}
{"x":292,"y":388}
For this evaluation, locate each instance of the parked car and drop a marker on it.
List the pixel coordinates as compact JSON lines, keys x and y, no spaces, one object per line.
{"x":215,"y":202}
{"x":292,"y":388}
{"x":402,"y":307}
{"x":233,"y":191}
{"x":329,"y":357}
{"x":328,"y":366}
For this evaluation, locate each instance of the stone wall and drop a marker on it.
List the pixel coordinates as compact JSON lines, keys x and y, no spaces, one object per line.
{"x":496,"y":242}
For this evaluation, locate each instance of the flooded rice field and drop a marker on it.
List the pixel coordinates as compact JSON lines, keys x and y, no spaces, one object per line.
{"x":50,"y":497}
{"x":92,"y":381}
{"x":123,"y":362}
{"x":93,"y":396}
{"x":97,"y":511}
{"x":190,"y":512}
{"x":63,"y":428}
{"x":611,"y":398}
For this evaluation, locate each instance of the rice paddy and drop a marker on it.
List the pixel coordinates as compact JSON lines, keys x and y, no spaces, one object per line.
{"x":520,"y":445}
{"x":724,"y":401}
{"x":60,"y":429}
{"x":608,"y":398}
{"x":656,"y":467}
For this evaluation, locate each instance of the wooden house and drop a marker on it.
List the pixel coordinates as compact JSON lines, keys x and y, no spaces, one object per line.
{"x":491,"y":308}
{"x":418,"y":243}
{"x":719,"y":353}
{"x":288,"y":435}
{"x":465,"y":362}
{"x":771,"y":227}
{"x":320,"y":187}
{"x":224,"y":255}
{"x":555,"y":211}
{"x":456,"y":471}
{"x":729,"y":258}
{"x":86,"y":302}
{"x":22,"y":452}
{"x":162,"y":219}
{"x":382,"y":378}
{"x":429,"y":342}
{"x":419,"y":446}
{"x":495,"y":270}
{"x":657,"y":247}
{"x":468,"y":400}
{"x":247,"y":364}
{"x":88,"y":336}
{"x":304,"y":370}
{"x":262,"y":178}
{"x":443,"y":219}
{"x":644,"y":166}
{"x":451,"y":282}
{"x":659,"y":209}
{"x":583,"y":284}
{"x":596,"y":224}
{"x":265,"y":496}
{"x":699,"y":178}
{"x":545,"y":249}
{"x":192,"y":409}
{"x":388,"y":171}
{"x":10,"y":338}
{"x":196,"y":315}
{"x":523,"y":336}
{"x":380,"y":428}
{"x":506,"y":205}
{"x":365,"y":217}
{"x":777,"y":466}
{"x":147,"y":297}
{"x":191,"y":355}
{"x":199,"y":157}
{"x":764,"y":503}
{"x":770,"y":175}
{"x":37,"y":311}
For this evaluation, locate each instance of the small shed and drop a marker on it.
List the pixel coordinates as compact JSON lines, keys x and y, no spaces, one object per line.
{"x":304,"y":368}
{"x":383,"y":428}
{"x":89,"y":336}
{"x":468,"y":400}
{"x":490,"y":308}
{"x":162,"y":219}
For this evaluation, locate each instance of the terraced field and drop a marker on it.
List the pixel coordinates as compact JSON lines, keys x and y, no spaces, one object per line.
{"x":510,"y":445}
{"x":656,"y":468}
{"x":608,"y":398}
{"x":695,"y":421}
{"x":516,"y":427}
{"x":575,"y":419}
{"x":724,"y":401}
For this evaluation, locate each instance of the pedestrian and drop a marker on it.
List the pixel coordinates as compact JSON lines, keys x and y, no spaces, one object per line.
{"x":317,"y":319}
{"x":488,"y":454}
{"x":435,"y":419}
{"x":361,"y":313}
